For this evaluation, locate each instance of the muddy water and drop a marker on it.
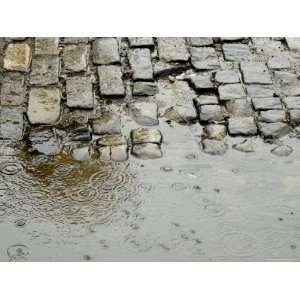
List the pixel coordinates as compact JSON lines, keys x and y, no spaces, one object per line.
{"x":186,"y":206}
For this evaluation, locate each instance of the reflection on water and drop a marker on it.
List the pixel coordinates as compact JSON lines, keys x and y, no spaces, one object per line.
{"x":63,"y":190}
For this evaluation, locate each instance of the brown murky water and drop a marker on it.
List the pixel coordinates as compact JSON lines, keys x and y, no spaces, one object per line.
{"x":186,"y":206}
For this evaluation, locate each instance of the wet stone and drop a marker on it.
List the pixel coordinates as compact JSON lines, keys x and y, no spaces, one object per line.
{"x":44,"y":141}
{"x":140,"y":62}
{"x":104,"y":153}
{"x":172,"y":49}
{"x":283,"y":150}
{"x":119,"y":153}
{"x":272,"y":116}
{"x":292,"y":102}
{"x":81,"y":153}
{"x":293,"y":43}
{"x":255,"y":73}
{"x":79,"y":133}
{"x":211,"y":113}
{"x":206,"y":100}
{"x":44,"y":105}
{"x":245,"y":146}
{"x":214,"y":147}
{"x":11,"y":124}
{"x":144,"y":88}
{"x":110,"y":81}
{"x":201,"y":82}
{"x":274,"y":130}
{"x":17,"y":57}
{"x":181,"y":113}
{"x":75,"y":58}
{"x":79,"y":92}
{"x":147,"y":151}
{"x":285,"y":79}
{"x":266,"y":103}
{"x":76,"y":40}
{"x":146,"y":135}
{"x":204,"y":58}
{"x":279,"y":62}
{"x":236,"y":52}
{"x":105,"y":51}
{"x":111,"y":140}
{"x":12,"y":89}
{"x":227,"y":76}
{"x":46,"y":46}
{"x":200,"y":41}
{"x":239,"y":107}
{"x":164,"y":69}
{"x":216,"y":132}
{"x":141,"y":42}
{"x":108,"y":123}
{"x":295,"y":116}
{"x":144,"y":113}
{"x":231,"y":91}
{"x":260,"y":91}
{"x":244,"y":126}
{"x":44,"y":70}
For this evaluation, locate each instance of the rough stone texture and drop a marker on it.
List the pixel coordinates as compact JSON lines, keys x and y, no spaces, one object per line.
{"x":44,"y":70}
{"x":211,"y":113}
{"x":146,"y":135}
{"x":44,"y":105}
{"x":274,"y":130}
{"x":105,"y":51}
{"x":272,"y":116}
{"x":144,"y":88}
{"x":110,"y":81}
{"x":200,"y":41}
{"x":104,"y":153}
{"x":79,"y":92}
{"x":214,"y":147}
{"x":279,"y":62}
{"x":245,"y":146}
{"x":140,"y":62}
{"x":295,"y":116}
{"x":239,"y":107}
{"x":108,"y":123}
{"x":204,"y":58}
{"x":293,"y":43}
{"x":119,"y":153}
{"x":242,"y":126}
{"x":236,"y":52}
{"x":81,"y":153}
{"x":266,"y":103}
{"x":255,"y":73}
{"x":283,"y":150}
{"x":141,"y":42}
{"x":292,"y":102}
{"x":12,"y":89}
{"x":147,"y":151}
{"x":111,"y":140}
{"x":46,"y":46}
{"x":227,"y":76}
{"x":231,"y":91}
{"x":11,"y":124}
{"x":216,"y":132}
{"x":76,"y":40}
{"x":75,"y":58}
{"x":260,"y":91}
{"x":17,"y":57}
{"x":206,"y":100}
{"x":201,"y":82}
{"x":144,"y":113}
{"x":172,"y":49}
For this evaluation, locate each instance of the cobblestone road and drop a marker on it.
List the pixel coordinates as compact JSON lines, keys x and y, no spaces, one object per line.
{"x":83,"y":91}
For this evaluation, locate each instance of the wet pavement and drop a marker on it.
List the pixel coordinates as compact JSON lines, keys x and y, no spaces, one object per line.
{"x":173,"y":150}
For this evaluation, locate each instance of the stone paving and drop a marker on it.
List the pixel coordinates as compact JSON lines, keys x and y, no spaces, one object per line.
{"x":81,"y":93}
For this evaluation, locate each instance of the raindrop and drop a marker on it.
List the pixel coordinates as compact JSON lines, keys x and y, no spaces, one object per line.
{"x":179,"y":186}
{"x":214,"y":209}
{"x":18,"y":252}
{"x":10,"y":167}
{"x":166,"y":168}
{"x":20,"y":222}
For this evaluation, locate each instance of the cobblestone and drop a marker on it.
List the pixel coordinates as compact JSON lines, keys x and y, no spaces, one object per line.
{"x":93,"y":91}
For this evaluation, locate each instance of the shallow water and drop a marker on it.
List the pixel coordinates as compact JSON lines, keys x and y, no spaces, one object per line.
{"x":186,"y":206}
